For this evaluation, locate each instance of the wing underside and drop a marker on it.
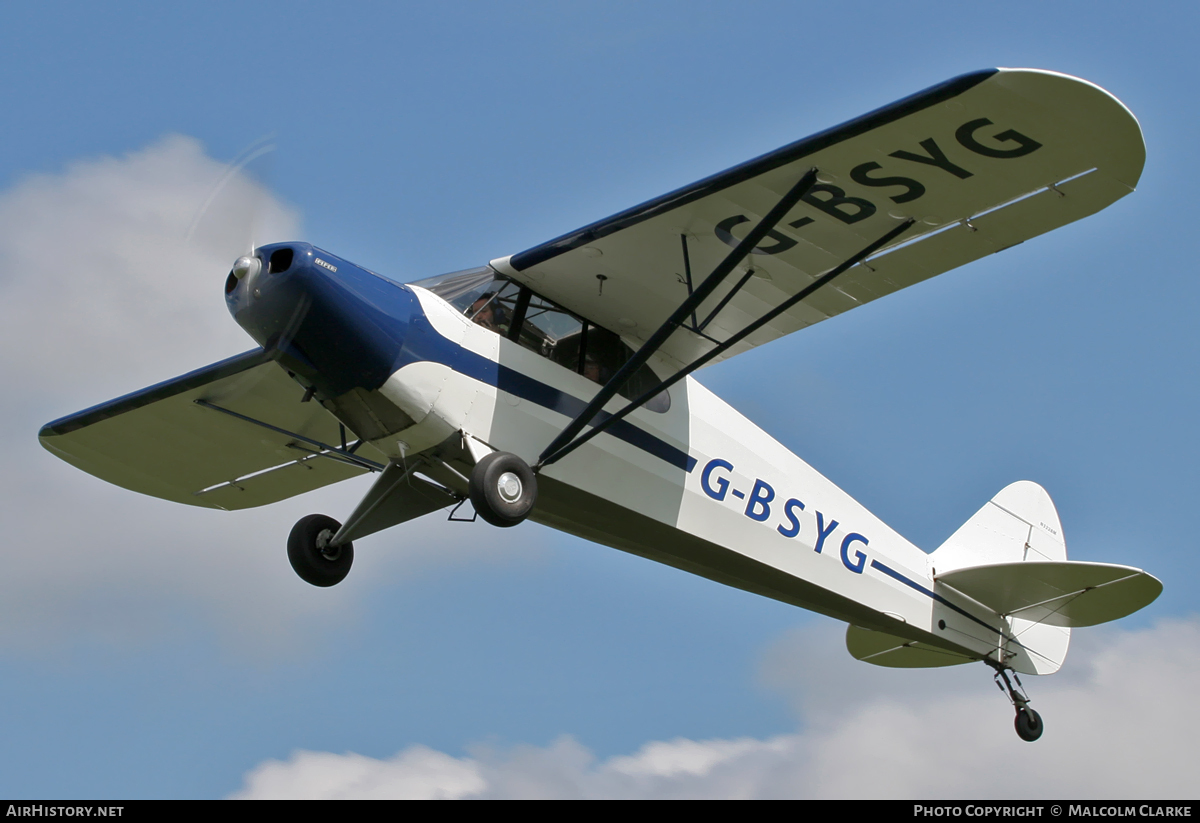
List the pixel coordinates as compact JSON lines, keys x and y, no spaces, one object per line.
{"x":229,"y":436}
{"x":979,"y":163}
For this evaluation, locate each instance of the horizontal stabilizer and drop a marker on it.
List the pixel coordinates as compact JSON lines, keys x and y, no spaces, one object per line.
{"x":882,"y":649}
{"x":1067,"y":593}
{"x":232,"y":435}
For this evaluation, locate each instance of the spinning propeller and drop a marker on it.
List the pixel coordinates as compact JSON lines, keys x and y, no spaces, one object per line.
{"x":237,"y":217}
{"x":246,"y":207}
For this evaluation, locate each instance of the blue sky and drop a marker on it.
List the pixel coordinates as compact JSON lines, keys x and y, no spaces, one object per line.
{"x":150,"y":650}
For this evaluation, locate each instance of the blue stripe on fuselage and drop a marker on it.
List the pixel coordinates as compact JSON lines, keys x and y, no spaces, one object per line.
{"x":895,"y":575}
{"x":423,"y":343}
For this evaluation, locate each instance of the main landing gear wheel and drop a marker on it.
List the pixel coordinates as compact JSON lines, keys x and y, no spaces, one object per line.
{"x":1029,"y":724}
{"x":311,"y":555}
{"x":502,"y":489}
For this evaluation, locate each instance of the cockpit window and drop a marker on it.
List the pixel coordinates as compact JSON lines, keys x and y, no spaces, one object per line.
{"x":539,"y":325}
{"x":493,"y":308}
{"x":551,"y":332}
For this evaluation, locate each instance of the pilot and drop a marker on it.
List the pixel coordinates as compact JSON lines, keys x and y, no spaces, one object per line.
{"x":485,"y":312}
{"x":593,"y":371}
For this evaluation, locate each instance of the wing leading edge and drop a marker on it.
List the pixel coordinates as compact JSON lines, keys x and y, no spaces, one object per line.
{"x":980,"y":163}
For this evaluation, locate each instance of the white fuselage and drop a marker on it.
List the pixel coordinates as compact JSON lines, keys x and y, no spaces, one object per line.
{"x":734,"y":505}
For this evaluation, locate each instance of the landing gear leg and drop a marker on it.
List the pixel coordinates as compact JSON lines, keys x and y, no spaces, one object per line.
{"x":313,"y":556}
{"x":503,"y":489}
{"x":1028,"y":722}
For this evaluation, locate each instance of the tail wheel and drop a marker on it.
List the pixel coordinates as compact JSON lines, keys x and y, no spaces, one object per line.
{"x":503,"y":489}
{"x":312,"y":556}
{"x":1029,"y":724}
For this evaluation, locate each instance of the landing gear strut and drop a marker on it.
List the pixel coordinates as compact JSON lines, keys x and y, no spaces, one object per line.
{"x":1028,"y":722}
{"x":314,"y":559}
{"x":502,"y":489}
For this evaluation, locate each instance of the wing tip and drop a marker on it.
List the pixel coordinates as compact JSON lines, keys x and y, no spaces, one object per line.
{"x":1132,"y":173}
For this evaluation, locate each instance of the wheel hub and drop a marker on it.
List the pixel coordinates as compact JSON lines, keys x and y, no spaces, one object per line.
{"x":509,"y":486}
{"x":327,"y":551}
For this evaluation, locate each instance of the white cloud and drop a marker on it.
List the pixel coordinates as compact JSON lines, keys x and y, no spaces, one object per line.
{"x":102,"y":292}
{"x":100,"y":280}
{"x":417,"y":773}
{"x":1120,"y":723}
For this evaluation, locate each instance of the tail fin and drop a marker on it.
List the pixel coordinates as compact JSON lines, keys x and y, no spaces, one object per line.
{"x":1019,"y":524}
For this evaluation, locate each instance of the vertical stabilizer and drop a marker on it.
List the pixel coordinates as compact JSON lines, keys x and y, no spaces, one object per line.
{"x":1019,"y":523}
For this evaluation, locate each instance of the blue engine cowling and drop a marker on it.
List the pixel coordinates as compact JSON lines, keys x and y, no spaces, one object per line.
{"x":338,"y":326}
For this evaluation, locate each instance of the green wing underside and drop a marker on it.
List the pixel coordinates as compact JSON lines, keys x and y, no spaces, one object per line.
{"x":169,"y":441}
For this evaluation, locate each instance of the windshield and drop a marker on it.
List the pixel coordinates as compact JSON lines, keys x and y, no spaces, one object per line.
{"x":451,"y":286}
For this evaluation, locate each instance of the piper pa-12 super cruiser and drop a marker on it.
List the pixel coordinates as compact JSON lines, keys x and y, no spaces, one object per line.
{"x":554,"y":384}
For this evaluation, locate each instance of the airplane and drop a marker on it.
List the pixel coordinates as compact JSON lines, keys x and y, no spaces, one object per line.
{"x":555,"y":384}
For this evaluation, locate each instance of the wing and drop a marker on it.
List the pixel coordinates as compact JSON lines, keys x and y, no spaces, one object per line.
{"x":981,"y":163}
{"x":232,"y":435}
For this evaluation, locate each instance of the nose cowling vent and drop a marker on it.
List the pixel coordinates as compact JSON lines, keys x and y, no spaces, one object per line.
{"x":281,"y":261}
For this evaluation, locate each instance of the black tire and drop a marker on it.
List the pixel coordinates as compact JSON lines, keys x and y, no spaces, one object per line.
{"x":315,"y":566}
{"x":1029,"y":724}
{"x":503,"y":489}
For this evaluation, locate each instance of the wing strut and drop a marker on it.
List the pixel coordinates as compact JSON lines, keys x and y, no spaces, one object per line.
{"x":696,"y":326}
{"x":552,"y":455}
{"x":687,"y":270}
{"x":345,"y":455}
{"x":679,"y":317}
